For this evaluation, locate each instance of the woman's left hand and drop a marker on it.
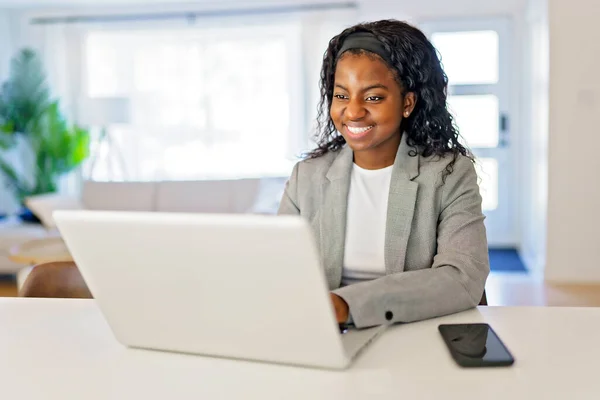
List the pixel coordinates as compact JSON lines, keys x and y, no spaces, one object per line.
{"x":342,"y":309}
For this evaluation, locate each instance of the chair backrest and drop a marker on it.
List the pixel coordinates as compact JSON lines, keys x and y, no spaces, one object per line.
{"x":483,"y":301}
{"x":57,"y":280}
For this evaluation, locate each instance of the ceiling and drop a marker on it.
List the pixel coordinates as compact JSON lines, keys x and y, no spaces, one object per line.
{"x":75,"y":3}
{"x":19,"y":4}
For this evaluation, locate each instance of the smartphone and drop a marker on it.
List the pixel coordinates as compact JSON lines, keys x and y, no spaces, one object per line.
{"x":475,"y":345}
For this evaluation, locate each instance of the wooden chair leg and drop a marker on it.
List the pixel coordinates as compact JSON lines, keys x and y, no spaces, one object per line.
{"x":55,"y":279}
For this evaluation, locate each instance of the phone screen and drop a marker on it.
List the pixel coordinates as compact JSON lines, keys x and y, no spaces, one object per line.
{"x":475,"y":345}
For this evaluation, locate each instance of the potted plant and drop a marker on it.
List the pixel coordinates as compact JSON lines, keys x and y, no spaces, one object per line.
{"x":29,"y":117}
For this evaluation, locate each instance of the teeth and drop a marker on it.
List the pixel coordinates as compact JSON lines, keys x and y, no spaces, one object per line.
{"x":359,"y":130}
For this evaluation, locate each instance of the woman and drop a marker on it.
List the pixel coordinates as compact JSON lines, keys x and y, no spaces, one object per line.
{"x":390,"y":192}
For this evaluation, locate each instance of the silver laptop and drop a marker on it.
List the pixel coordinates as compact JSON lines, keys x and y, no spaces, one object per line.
{"x":238,"y":286}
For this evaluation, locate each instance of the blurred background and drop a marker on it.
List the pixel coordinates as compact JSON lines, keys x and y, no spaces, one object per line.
{"x":205,"y":106}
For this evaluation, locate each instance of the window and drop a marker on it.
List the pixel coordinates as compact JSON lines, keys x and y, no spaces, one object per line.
{"x":471,"y":61}
{"x":204,"y":103}
{"x":470,"y":57}
{"x":487,"y":170}
{"x":477,"y":117}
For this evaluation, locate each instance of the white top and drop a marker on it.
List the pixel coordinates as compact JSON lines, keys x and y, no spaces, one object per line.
{"x":365,"y":224}
{"x":59,"y":349}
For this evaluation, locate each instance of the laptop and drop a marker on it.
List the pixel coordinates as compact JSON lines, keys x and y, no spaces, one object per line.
{"x":237,"y":286}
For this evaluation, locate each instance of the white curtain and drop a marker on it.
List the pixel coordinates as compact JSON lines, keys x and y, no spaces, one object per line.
{"x":212,"y":99}
{"x":55,"y":44}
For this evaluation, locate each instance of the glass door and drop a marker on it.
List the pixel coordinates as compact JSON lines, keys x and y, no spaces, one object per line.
{"x":475,"y":55}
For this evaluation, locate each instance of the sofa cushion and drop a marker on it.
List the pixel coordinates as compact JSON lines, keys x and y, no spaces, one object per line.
{"x":119,"y":196}
{"x":268,"y":195}
{"x":253,"y":195}
{"x":244,"y":193}
{"x":195,"y":196}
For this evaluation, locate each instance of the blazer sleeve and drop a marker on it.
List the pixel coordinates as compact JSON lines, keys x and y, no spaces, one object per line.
{"x":456,"y":280}
{"x":289,"y":200}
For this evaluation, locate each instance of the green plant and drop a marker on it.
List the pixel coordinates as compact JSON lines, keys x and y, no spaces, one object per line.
{"x":24,"y":96}
{"x":27,"y":110}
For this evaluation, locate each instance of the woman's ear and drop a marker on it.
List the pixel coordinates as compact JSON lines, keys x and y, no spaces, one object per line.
{"x":410,"y":100}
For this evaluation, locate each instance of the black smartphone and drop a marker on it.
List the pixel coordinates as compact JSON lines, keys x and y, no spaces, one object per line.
{"x":475,"y":345}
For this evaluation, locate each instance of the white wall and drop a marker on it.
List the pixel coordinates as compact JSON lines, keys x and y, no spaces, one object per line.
{"x":5,"y":44}
{"x":7,"y":203}
{"x":574,"y":164}
{"x":534,"y":152}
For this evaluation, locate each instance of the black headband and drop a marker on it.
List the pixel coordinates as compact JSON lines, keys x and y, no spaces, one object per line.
{"x":365,"y":41}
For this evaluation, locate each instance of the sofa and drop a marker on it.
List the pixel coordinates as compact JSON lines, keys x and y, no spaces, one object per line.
{"x":250,"y":195}
{"x":232,"y":196}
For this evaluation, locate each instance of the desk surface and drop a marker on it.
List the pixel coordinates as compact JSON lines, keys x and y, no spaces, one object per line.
{"x":63,"y":349}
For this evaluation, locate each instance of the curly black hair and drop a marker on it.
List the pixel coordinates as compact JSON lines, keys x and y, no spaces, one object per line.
{"x":430,"y":128}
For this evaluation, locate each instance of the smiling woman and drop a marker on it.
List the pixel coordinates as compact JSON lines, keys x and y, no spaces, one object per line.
{"x":365,"y":108}
{"x":390,"y":192}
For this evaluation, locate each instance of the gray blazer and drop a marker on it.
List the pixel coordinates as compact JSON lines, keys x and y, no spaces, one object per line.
{"x":436,"y":254}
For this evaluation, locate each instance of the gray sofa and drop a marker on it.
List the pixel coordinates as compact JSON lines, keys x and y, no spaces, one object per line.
{"x":257,"y":195}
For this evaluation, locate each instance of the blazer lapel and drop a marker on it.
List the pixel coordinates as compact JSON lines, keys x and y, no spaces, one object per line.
{"x":401,"y":207}
{"x":333,"y":216}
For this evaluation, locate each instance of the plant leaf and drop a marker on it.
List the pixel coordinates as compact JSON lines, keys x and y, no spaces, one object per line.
{"x":58,"y":148}
{"x":26,"y":94}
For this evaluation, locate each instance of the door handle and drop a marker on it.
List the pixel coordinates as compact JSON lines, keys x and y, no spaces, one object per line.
{"x":503,"y":139}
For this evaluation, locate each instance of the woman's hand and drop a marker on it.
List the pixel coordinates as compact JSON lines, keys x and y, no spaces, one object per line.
{"x":342,"y":309}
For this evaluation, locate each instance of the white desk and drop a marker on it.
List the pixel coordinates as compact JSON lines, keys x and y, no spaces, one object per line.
{"x":63,"y":349}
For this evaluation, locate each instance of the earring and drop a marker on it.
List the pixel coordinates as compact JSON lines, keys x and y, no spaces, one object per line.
{"x":406,"y":113}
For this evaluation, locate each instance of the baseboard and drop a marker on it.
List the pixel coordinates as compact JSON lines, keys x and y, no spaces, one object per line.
{"x":583,"y":281}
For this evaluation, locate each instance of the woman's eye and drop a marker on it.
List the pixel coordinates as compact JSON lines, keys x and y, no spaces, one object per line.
{"x":340,"y":96}
{"x":374,"y":98}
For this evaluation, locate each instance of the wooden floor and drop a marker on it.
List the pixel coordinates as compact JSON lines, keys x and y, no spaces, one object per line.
{"x":503,"y":289}
{"x":516,"y":289}
{"x":8,"y":289}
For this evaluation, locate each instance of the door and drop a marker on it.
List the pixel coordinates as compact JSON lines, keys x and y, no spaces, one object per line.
{"x":475,"y":56}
